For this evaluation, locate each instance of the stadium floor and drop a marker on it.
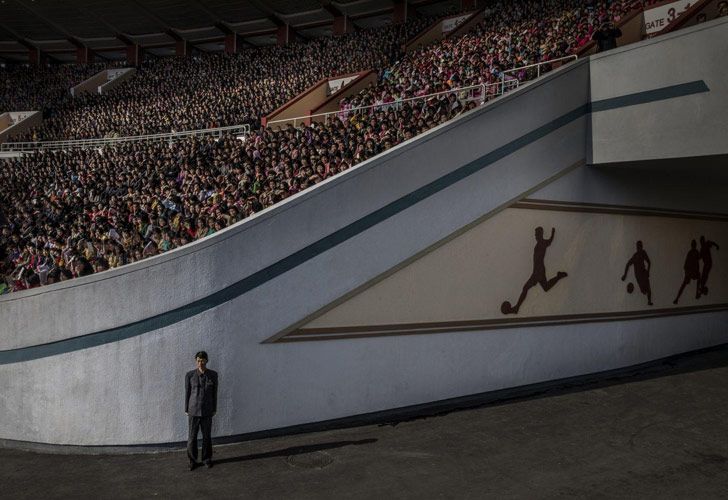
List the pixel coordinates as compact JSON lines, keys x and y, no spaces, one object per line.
{"x":660,"y":432}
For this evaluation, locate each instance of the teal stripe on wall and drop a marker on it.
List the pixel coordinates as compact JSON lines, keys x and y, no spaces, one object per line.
{"x":357,"y":227}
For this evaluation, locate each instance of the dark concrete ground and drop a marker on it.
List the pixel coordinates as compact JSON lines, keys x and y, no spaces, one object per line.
{"x":658,"y":432}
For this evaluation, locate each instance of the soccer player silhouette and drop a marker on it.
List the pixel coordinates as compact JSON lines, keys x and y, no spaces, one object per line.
{"x":707,"y":262}
{"x":692,"y":271}
{"x":538,"y":276}
{"x":642,"y":264}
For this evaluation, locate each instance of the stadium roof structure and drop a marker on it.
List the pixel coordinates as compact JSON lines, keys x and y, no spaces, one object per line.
{"x":107,"y":27}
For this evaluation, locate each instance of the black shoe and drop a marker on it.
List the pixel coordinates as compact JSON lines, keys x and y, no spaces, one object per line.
{"x":193,"y":465}
{"x":208,"y":464}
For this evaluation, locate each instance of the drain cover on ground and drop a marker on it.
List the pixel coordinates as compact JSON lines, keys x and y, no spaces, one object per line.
{"x":313,"y":460}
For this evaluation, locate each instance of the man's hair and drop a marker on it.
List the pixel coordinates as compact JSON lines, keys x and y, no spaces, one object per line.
{"x":201,"y":355}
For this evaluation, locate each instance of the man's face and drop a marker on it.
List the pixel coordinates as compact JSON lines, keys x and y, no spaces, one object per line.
{"x":201,"y":364}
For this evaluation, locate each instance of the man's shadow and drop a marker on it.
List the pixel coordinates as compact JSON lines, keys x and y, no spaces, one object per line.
{"x":295,"y":450}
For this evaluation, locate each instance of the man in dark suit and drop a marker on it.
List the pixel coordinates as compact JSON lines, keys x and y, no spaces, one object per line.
{"x":606,"y":37}
{"x":200,"y":407}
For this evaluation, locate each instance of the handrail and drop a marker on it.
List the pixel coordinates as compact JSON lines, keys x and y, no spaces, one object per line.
{"x":504,"y":84}
{"x":538,"y":65}
{"x":107,"y":141}
{"x":481,"y":86}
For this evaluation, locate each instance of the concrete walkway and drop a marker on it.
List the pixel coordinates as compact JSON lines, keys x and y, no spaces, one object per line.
{"x":662,"y":432}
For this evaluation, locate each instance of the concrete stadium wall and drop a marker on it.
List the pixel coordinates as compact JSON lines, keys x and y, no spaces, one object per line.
{"x":17,"y":122}
{"x":693,"y":125}
{"x":331,"y":103}
{"x":90,"y":84}
{"x":115,"y":78}
{"x":300,"y":105}
{"x":316,"y":99}
{"x":99,"y":361}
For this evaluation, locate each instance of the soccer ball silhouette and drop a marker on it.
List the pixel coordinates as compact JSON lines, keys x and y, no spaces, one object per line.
{"x":630,"y":288}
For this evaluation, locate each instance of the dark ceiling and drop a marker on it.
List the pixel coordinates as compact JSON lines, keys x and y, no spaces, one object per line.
{"x":58,"y":27}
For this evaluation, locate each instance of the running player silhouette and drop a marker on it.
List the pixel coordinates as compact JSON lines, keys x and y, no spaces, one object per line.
{"x":707,"y":262}
{"x":538,"y":276}
{"x":641,"y":271}
{"x":692,"y":271}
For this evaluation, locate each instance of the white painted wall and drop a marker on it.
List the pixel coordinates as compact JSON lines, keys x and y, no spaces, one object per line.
{"x":130,"y":392}
{"x":674,"y":128}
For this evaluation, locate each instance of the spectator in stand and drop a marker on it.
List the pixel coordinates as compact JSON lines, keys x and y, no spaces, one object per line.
{"x":606,"y":37}
{"x":722,"y":9}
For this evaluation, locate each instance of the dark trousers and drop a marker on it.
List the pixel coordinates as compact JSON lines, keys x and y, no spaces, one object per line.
{"x":195,"y":425}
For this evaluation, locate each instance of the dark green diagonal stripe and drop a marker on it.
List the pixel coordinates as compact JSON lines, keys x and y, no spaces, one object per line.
{"x":660,"y":94}
{"x":357,"y":227}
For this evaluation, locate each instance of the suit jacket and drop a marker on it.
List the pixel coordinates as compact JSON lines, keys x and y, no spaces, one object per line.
{"x":201,"y":393}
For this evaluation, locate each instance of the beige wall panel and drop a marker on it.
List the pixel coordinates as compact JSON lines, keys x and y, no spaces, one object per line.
{"x":468,"y":278}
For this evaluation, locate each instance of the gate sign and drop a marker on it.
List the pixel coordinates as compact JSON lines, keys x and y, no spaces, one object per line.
{"x":657,"y":19}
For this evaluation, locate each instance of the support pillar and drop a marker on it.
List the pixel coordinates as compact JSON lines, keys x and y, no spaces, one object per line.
{"x":134,"y":54}
{"x":37,"y":57}
{"x":233,"y":43}
{"x":183,"y":48}
{"x":399,"y":15}
{"x":84,"y":55}
{"x":285,"y":34}
{"x":343,"y":25}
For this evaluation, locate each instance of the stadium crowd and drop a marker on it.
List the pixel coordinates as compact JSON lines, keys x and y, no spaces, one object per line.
{"x":215,"y":90}
{"x":514,"y":34}
{"x":71,"y":213}
{"x":37,"y":88}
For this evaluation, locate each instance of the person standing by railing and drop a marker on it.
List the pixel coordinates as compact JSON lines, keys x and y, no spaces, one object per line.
{"x":606,"y":37}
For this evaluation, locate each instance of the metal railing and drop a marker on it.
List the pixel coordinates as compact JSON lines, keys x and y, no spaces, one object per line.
{"x":538,"y":65}
{"x":112,"y":141}
{"x":481,"y":93}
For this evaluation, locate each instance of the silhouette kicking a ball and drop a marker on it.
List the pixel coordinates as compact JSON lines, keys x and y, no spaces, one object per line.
{"x":538,"y":276}
{"x":642,"y":264}
{"x":692,"y":271}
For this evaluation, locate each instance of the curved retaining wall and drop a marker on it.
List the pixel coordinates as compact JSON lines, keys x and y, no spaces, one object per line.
{"x":99,"y":361}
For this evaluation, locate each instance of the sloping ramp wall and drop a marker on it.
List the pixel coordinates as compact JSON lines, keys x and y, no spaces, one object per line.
{"x":100,"y":361}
